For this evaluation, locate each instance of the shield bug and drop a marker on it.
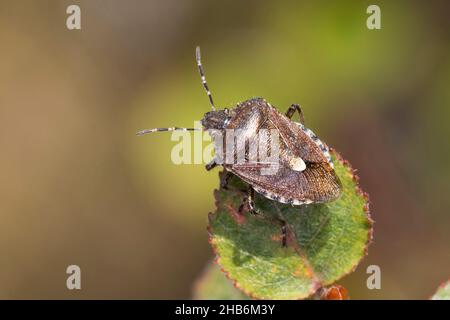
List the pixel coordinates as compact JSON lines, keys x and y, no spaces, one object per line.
{"x":304,"y":172}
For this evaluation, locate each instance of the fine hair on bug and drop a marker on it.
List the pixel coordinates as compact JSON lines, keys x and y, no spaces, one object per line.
{"x":305,"y":172}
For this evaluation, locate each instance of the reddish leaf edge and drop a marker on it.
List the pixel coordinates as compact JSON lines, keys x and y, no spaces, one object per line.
{"x":441,"y":286}
{"x":317,"y":285}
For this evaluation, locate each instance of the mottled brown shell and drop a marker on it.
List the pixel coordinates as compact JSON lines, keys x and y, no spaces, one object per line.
{"x":316,"y":183}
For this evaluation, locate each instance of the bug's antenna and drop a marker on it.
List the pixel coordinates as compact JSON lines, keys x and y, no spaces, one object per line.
{"x":202,"y":75}
{"x":142,"y":132}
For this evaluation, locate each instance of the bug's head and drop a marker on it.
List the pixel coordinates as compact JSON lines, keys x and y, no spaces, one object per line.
{"x":216,"y":119}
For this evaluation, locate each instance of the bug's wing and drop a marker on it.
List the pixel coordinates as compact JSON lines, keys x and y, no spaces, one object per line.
{"x":317,"y":183}
{"x":293,"y":139}
{"x":303,"y":173}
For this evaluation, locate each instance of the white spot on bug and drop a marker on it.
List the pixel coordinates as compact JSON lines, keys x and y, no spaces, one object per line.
{"x":322,"y":146}
{"x":297,"y":164}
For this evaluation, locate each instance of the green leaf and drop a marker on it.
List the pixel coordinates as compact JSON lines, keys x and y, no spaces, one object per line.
{"x":443,"y":292}
{"x":214,"y":285}
{"x":325,"y":241}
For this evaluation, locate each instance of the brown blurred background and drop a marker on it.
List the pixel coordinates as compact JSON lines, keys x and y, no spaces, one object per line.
{"x":79,"y":188}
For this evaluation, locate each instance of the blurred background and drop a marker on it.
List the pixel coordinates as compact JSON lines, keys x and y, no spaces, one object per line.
{"x":78,"y":187}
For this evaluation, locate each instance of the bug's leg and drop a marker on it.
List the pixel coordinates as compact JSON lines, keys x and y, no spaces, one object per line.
{"x":295,"y":107}
{"x":248,"y":200}
{"x":211,"y":165}
{"x":202,"y":75}
{"x":284,"y":230}
{"x":224,"y":178}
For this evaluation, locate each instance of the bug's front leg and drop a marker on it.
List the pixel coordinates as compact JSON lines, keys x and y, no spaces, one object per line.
{"x":211,"y":165}
{"x":284,"y":230}
{"x":295,"y":107}
{"x":224,"y":178}
{"x":248,"y":200}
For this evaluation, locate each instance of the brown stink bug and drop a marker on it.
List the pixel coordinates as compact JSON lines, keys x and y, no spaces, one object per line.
{"x":305,"y":171}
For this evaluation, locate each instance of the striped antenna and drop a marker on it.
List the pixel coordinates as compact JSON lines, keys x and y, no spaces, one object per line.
{"x":202,"y":75}
{"x":142,"y":132}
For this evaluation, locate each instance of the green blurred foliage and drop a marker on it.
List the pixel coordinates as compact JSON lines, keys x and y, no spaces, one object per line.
{"x":80,"y":187}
